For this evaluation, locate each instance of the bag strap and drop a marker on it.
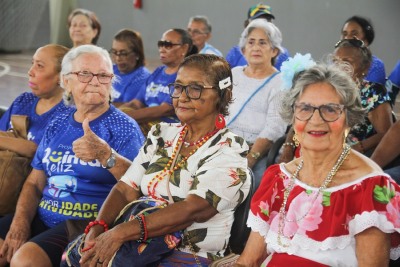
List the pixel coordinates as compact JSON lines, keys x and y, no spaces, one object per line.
{"x":251,"y":96}
{"x":20,"y":125}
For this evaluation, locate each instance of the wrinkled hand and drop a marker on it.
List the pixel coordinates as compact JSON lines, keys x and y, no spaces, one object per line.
{"x":90,"y":147}
{"x":104,"y":248}
{"x":18,"y":234}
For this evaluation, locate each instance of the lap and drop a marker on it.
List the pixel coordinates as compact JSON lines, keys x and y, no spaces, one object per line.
{"x":52,"y":241}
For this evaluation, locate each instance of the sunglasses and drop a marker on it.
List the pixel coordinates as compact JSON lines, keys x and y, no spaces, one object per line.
{"x":166,"y":44}
{"x":353,"y":42}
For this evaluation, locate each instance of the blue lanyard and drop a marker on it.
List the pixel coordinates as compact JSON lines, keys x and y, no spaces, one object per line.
{"x":250,"y":97}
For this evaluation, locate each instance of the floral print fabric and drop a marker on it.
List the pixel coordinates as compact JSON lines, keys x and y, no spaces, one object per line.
{"x":321,"y":226}
{"x":372,"y":95}
{"x":217,"y":172}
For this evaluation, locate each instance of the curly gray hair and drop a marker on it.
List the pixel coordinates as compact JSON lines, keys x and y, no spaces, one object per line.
{"x":334,"y":75}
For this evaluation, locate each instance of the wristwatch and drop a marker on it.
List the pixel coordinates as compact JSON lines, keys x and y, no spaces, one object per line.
{"x":255,"y":155}
{"x":111,"y":160}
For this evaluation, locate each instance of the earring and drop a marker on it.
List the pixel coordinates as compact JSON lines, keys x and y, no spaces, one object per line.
{"x":346,"y":133}
{"x":110,"y":100}
{"x":296,"y":140}
{"x":69,"y":96}
{"x":220,"y":122}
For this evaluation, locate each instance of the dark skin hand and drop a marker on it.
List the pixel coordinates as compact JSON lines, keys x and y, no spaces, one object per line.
{"x":174,"y":217}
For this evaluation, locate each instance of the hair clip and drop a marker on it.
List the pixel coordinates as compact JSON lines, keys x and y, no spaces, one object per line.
{"x":225,"y":83}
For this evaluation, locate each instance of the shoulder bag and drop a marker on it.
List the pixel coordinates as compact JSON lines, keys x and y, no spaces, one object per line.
{"x":14,"y":168}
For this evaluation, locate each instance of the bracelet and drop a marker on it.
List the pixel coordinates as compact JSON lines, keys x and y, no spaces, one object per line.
{"x":143,"y":230}
{"x":93,"y":223}
{"x":255,"y":155}
{"x":144,"y":227}
{"x":87,"y":248}
{"x":289,"y":144}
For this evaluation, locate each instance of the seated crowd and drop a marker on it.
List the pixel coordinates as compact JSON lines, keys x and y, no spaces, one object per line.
{"x":108,"y":138}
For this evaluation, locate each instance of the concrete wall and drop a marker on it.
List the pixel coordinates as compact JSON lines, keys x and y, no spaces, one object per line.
{"x":307,"y":25}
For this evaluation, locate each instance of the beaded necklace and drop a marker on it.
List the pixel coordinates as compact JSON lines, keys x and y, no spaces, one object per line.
{"x":205,"y":137}
{"x":288,"y":189}
{"x":168,"y":169}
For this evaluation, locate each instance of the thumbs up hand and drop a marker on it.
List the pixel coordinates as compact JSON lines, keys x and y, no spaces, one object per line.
{"x":90,"y":147}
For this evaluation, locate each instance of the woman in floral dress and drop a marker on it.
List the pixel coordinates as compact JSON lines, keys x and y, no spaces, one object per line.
{"x":332,"y":206}
{"x":203,"y":187}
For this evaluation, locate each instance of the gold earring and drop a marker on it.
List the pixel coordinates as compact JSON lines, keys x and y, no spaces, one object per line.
{"x":69,"y":96}
{"x":296,"y":140}
{"x":346,"y":133}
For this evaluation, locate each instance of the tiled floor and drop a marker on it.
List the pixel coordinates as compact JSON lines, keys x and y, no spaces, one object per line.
{"x":14,"y":76}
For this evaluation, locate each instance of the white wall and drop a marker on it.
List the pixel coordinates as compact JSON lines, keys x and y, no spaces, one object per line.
{"x":307,"y":25}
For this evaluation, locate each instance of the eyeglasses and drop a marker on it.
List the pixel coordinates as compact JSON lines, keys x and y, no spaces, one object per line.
{"x":167,"y":44}
{"x":196,"y":32}
{"x":86,"y":76}
{"x":192,"y":91}
{"x":354,"y":42}
{"x":121,"y":54}
{"x":328,"y":112}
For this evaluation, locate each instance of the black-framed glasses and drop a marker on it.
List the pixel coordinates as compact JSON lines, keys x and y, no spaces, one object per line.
{"x":192,"y":91}
{"x":353,"y":42}
{"x":86,"y":76}
{"x":122,"y":54}
{"x":329,"y":112}
{"x":167,"y":44}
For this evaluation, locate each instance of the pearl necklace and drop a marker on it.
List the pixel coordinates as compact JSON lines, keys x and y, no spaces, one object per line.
{"x":151,"y":186}
{"x":201,"y":140}
{"x":288,"y":189}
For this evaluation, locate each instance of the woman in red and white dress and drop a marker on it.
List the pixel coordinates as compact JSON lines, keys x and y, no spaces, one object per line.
{"x":332,"y":206}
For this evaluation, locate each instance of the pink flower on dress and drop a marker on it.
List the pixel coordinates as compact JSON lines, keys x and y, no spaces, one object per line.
{"x":393,"y":208}
{"x":264,"y":207}
{"x":305,"y":211}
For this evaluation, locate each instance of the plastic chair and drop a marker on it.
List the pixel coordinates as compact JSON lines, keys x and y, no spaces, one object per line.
{"x":240,"y":232}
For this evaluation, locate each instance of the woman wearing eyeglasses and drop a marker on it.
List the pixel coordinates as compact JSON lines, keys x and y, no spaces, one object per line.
{"x":81,"y":156}
{"x":197,"y":166}
{"x":364,"y":136}
{"x":153,"y":103}
{"x":256,"y":88}
{"x":332,"y":206}
{"x":127,"y":54}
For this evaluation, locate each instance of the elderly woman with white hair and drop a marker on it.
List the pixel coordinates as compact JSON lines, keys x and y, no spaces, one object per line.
{"x":254,"y":114}
{"x":81,"y":156}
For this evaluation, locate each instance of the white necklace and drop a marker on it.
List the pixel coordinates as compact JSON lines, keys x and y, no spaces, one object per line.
{"x":288,"y":189}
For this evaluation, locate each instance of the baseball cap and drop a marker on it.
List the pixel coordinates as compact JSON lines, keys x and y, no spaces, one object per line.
{"x":259,"y":10}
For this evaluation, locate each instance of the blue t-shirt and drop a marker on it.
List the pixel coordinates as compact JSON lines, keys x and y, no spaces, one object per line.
{"x":25,"y":104}
{"x":394,"y":77}
{"x":236,"y":58}
{"x":376,"y":72}
{"x":155,"y":91}
{"x":76,"y":189}
{"x":127,"y":85}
